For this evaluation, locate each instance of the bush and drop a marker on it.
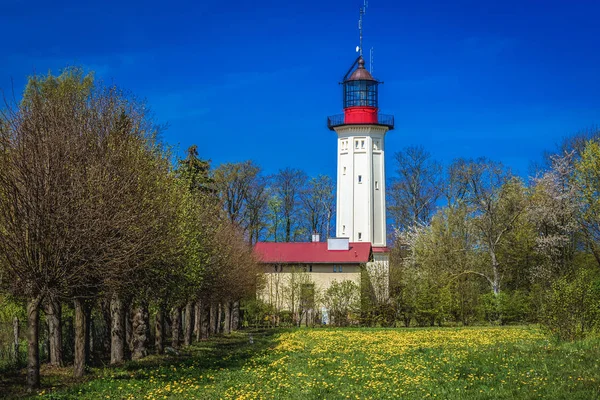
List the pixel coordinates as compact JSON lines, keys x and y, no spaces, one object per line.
{"x":256,"y":313}
{"x":505,"y":307}
{"x":572,"y":309}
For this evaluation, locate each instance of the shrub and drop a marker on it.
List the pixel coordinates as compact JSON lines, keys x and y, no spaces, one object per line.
{"x":505,"y":307}
{"x":572,"y":309}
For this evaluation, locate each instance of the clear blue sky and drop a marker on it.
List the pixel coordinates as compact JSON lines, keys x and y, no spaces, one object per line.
{"x":257,"y":79}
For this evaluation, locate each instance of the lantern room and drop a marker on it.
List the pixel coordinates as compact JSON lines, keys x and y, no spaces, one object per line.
{"x":360,"y":90}
{"x":360,"y":99}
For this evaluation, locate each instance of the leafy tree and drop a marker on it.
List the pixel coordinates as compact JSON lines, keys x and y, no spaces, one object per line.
{"x":587,"y":181}
{"x":343,"y":301}
{"x":553,"y":212}
{"x":497,"y":201}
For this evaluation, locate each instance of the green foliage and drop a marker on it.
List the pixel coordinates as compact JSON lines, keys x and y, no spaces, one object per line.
{"x":195,"y":172}
{"x":506,"y":307}
{"x":343,"y":301}
{"x":256,"y":313}
{"x":10,"y":308}
{"x":572,"y":309}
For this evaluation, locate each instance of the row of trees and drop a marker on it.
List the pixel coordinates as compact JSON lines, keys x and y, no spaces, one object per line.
{"x":477,"y":242}
{"x":94,"y":216}
{"x":284,"y":207}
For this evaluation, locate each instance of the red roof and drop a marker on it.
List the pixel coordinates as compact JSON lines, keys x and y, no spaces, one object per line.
{"x":311,"y":253}
{"x":381,"y":250}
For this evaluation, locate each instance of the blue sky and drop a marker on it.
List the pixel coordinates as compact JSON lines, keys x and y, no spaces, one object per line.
{"x":256,"y":80}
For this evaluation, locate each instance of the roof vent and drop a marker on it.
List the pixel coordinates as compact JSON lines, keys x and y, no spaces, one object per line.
{"x":338,"y":244}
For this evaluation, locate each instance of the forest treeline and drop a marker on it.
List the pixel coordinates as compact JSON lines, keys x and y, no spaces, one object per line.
{"x":476,"y":243}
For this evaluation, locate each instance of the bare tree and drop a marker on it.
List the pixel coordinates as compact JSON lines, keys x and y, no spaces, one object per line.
{"x":416,"y":187}
{"x":243,"y":195}
{"x":288,"y":184}
{"x":318,"y":205}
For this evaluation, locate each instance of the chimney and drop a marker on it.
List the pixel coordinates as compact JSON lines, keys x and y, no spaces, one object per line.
{"x":316,"y":237}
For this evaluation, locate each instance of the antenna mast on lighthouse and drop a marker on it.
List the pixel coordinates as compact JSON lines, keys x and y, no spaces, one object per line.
{"x":362,"y":12}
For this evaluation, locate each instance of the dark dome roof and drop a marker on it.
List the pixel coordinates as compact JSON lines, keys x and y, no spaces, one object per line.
{"x":361,"y":74}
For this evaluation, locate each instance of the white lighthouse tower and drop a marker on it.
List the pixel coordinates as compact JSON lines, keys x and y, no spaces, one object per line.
{"x":361,"y":159}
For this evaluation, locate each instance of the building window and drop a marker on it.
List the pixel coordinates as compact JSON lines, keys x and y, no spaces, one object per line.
{"x":359,"y":236}
{"x":281,"y":266}
{"x":376,"y":185}
{"x":275,"y":268}
{"x":339,"y":268}
{"x":310,"y":268}
{"x":334,"y":268}
{"x":360,"y":179}
{"x":356,"y":144}
{"x":362,"y":144}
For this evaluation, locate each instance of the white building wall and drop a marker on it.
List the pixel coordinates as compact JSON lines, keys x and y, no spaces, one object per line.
{"x":361,"y":184}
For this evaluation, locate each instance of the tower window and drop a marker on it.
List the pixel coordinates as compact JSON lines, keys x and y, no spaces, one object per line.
{"x":343,"y":229}
{"x":344,"y":170}
{"x":356,"y":144}
{"x":359,"y":236}
{"x":376,"y":185}
{"x":362,"y":144}
{"x":360,"y":179}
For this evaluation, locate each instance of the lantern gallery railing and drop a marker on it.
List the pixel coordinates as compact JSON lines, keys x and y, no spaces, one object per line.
{"x":339,"y":120}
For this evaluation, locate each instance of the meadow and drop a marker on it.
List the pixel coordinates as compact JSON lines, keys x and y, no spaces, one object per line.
{"x":355,"y":363}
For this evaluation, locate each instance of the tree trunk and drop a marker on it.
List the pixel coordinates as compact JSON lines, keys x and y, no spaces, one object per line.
{"x":213,"y":318}
{"x":33,"y":354}
{"x":159,"y":329}
{"x":175,"y":326}
{"x":235,"y":318}
{"x":89,"y":336}
{"x":205,"y":320}
{"x":227,"y":318}
{"x":105,"y":309}
{"x":197,"y":319}
{"x":128,"y":327}
{"x":219,"y":328}
{"x":117,"y":331}
{"x":16,"y":339}
{"x":140,"y":331}
{"x":80,"y":338}
{"x":496,"y":271}
{"x":189,"y":323}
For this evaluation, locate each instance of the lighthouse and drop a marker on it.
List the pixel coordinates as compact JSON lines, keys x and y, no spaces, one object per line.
{"x":360,"y":244}
{"x":361,"y":129}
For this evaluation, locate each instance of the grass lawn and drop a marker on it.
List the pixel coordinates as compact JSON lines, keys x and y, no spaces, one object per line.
{"x":445,"y":363}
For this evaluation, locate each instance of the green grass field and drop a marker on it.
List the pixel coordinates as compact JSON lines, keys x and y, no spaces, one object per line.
{"x":445,"y":363}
